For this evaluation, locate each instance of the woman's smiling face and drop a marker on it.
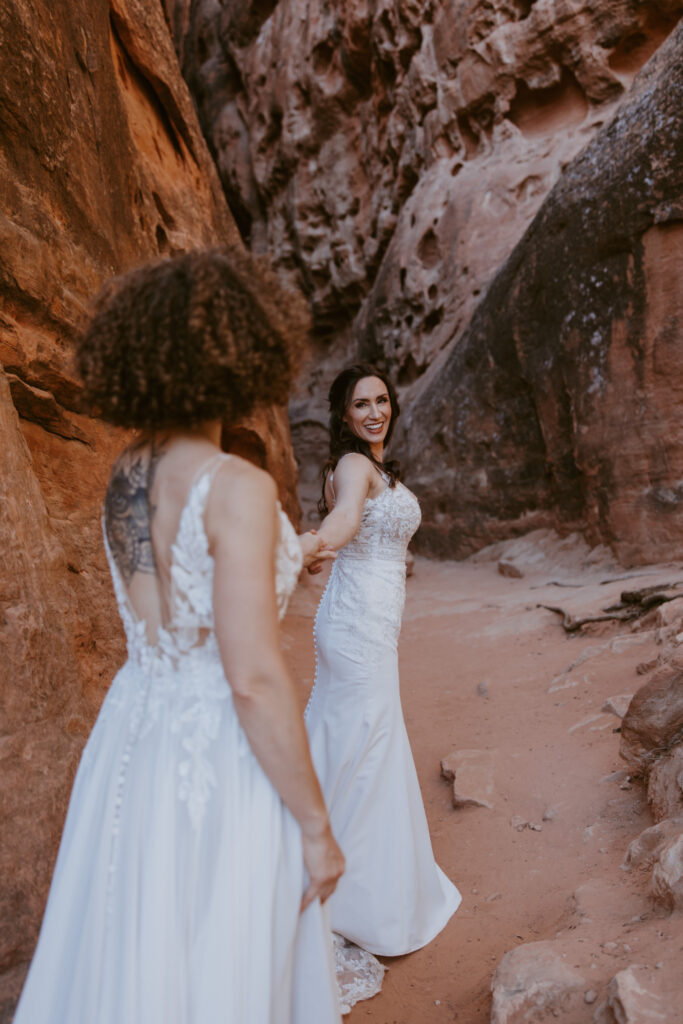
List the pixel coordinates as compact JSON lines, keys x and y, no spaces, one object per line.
{"x":369,"y":412}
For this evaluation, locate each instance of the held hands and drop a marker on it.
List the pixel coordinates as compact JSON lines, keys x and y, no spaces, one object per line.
{"x":324,"y":863}
{"x":315,"y":551}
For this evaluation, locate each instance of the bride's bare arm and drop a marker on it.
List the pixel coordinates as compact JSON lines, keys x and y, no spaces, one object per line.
{"x":353,"y":478}
{"x":314,"y":549}
{"x":242,"y":526}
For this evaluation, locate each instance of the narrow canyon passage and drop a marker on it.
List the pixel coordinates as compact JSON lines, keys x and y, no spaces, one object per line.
{"x":484,"y":669}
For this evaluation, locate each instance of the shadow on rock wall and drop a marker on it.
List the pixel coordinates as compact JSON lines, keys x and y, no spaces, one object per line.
{"x":560,"y":404}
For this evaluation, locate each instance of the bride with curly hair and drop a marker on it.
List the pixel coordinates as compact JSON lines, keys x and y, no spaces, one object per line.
{"x":197,"y":849}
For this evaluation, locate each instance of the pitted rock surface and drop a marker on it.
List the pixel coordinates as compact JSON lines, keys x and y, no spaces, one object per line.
{"x":417,"y":168}
{"x":102,"y":166}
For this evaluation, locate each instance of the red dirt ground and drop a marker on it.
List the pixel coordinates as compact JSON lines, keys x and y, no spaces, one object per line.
{"x":484,"y":668}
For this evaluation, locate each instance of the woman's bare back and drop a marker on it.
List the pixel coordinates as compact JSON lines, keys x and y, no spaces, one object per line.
{"x":148,"y":489}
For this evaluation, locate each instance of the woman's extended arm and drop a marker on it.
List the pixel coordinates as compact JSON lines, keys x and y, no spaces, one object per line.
{"x":314,"y":549}
{"x":353,"y":479}
{"x":242,"y":526}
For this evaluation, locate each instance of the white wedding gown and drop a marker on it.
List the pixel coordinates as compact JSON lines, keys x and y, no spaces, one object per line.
{"x":176,"y":894}
{"x":393,"y":898}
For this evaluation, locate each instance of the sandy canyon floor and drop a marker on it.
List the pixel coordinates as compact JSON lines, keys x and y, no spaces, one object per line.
{"x":484,"y":668}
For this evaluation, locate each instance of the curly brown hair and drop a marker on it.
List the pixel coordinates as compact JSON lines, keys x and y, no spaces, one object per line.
{"x":201,"y":336}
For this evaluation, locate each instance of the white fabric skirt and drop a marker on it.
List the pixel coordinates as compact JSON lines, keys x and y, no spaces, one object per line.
{"x":176,"y":894}
{"x":393,"y":897}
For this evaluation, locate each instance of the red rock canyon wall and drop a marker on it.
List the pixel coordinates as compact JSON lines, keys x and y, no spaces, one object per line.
{"x":102,"y":166}
{"x":475,"y":193}
{"x":392,"y":155}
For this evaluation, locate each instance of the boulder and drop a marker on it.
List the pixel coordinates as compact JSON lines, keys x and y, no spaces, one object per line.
{"x":654,"y":721}
{"x":644,"y":850}
{"x":665,"y":785}
{"x":534,"y":983}
{"x":471,"y":772}
{"x":670,"y":615}
{"x":667,"y":874}
{"x":639,"y":995}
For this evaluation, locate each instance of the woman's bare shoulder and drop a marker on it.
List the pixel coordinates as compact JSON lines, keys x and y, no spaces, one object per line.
{"x":242,"y":496}
{"x":354,"y":464}
{"x":239,"y":478}
{"x":353,"y":479}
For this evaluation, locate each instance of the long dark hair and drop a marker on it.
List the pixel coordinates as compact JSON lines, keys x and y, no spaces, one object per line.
{"x":342,"y":438}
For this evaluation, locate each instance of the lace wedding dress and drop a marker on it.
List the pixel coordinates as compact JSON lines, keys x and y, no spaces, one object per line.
{"x":393,"y":898}
{"x":176,"y":894}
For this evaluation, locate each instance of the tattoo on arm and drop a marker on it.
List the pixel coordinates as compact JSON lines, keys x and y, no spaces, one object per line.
{"x":128,"y":512}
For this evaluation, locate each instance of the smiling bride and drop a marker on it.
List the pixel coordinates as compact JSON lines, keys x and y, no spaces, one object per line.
{"x":393,"y":898}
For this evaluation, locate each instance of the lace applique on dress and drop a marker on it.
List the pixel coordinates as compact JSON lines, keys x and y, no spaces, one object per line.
{"x":387,"y":524}
{"x":180,"y":673}
{"x":359,"y":973}
{"x":369,"y":574}
{"x":289,"y":562}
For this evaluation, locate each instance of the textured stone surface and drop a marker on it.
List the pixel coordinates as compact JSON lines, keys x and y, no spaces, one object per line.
{"x":665,"y":785}
{"x":327,"y":119}
{"x":644,"y":850}
{"x":640,"y":995}
{"x":393,"y":155}
{"x":102,"y":166}
{"x":553,"y":403}
{"x":509,"y":569}
{"x":471,"y":772}
{"x":653,"y":724}
{"x":667,"y":874}
{"x":618,"y":704}
{"x":534,"y":983}
{"x":39,"y":688}
{"x":652,"y":743}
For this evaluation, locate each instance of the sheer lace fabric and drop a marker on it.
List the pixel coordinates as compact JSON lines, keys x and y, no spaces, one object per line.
{"x":359,"y":973}
{"x":176,"y":894}
{"x":179,"y":669}
{"x":393,"y":897}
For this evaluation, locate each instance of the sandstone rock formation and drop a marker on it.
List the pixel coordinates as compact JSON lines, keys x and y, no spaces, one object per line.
{"x":326,"y":120}
{"x":667,"y":876}
{"x":652,"y":743}
{"x":645,"y":849}
{"x":653,"y":724}
{"x":622,"y":930}
{"x":618,"y":704}
{"x":534,"y":982}
{"x":471,"y":772}
{"x":528,"y":416}
{"x":102,"y":166}
{"x":44,"y":715}
{"x":665,"y":784}
{"x":392,"y":155}
{"x":641,"y":995}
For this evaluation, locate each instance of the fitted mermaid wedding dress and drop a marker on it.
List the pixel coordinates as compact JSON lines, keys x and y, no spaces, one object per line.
{"x":393,"y":898}
{"x":176,"y":894}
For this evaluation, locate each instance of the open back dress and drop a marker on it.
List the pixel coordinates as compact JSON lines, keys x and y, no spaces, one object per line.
{"x":177,"y":890}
